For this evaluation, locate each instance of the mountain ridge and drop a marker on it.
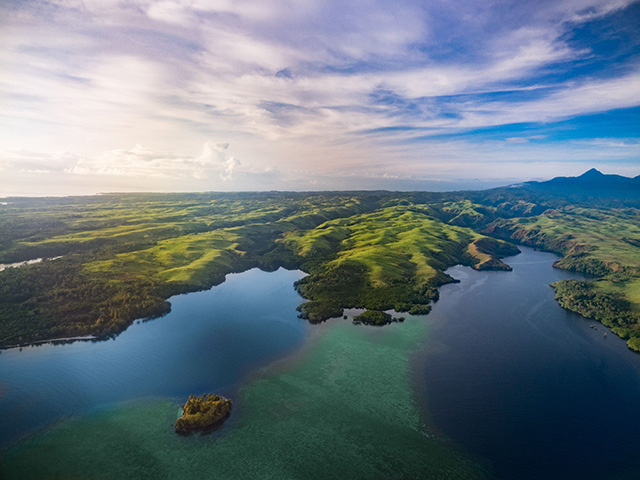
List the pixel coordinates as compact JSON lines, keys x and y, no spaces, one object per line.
{"x":591,"y":184}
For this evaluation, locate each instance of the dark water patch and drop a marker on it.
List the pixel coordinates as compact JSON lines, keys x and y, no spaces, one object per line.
{"x":529,"y":386}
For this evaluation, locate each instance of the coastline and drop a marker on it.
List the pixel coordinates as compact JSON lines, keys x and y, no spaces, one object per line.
{"x":56,"y":341}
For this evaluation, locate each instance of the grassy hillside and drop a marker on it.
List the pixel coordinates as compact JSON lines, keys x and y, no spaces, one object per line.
{"x":122,"y":256}
{"x":393,"y":258}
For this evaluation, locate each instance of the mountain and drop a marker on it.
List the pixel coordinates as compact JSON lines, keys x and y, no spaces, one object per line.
{"x":592,"y":183}
{"x":591,"y":188}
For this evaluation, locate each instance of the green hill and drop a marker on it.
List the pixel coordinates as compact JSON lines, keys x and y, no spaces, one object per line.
{"x":122,"y":256}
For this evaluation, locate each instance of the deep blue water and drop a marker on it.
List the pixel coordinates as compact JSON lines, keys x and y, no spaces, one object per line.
{"x":209,"y":342}
{"x":526,"y":385}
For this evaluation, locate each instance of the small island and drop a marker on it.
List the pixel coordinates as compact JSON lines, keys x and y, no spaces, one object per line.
{"x":376,"y":318}
{"x":203,"y":413}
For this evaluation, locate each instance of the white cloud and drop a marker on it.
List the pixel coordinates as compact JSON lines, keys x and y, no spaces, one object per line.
{"x":142,"y":162}
{"x":170,"y":12}
{"x":214,"y":156}
{"x":213,"y":153}
{"x":590,"y":97}
{"x":305,"y":85}
{"x":231,"y":165}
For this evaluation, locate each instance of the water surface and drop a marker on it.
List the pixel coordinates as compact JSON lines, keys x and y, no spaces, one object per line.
{"x":4,"y":266}
{"x":209,"y":342}
{"x":342,"y":406}
{"x":497,"y":382}
{"x":518,"y":380}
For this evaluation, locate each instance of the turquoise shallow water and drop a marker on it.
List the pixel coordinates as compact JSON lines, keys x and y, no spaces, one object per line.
{"x":344,"y":408}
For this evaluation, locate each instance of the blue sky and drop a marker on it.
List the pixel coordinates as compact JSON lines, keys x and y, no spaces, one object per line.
{"x":195,"y":95}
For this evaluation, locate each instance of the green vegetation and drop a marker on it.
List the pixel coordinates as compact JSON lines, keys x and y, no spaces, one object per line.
{"x":592,"y":240}
{"x":611,"y":309}
{"x":392,"y":258}
{"x":375,"y":317}
{"x":203,"y":413}
{"x":123,"y":256}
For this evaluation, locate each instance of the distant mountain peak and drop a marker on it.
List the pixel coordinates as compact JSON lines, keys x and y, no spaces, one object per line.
{"x":591,"y":184}
{"x":592,"y":173}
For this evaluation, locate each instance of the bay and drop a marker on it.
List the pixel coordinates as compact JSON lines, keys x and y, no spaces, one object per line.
{"x":208,"y":343}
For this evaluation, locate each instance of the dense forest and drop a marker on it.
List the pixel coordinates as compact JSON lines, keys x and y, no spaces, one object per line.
{"x":111,"y":259}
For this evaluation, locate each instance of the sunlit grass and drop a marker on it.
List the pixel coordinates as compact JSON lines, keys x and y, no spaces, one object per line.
{"x":185,"y":259}
{"x":394,"y":244}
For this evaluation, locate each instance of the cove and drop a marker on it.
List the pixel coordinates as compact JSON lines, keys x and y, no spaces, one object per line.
{"x":209,"y":342}
{"x":532,"y":388}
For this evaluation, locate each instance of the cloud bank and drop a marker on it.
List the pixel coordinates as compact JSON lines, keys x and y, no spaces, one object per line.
{"x":315,"y":91}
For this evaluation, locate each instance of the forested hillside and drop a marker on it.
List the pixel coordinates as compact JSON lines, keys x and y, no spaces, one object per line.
{"x":113,"y":258}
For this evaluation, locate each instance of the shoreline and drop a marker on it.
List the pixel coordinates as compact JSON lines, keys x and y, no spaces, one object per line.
{"x":62,"y":340}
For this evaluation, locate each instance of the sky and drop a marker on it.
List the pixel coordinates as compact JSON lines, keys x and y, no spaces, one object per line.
{"x":236,"y":95}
